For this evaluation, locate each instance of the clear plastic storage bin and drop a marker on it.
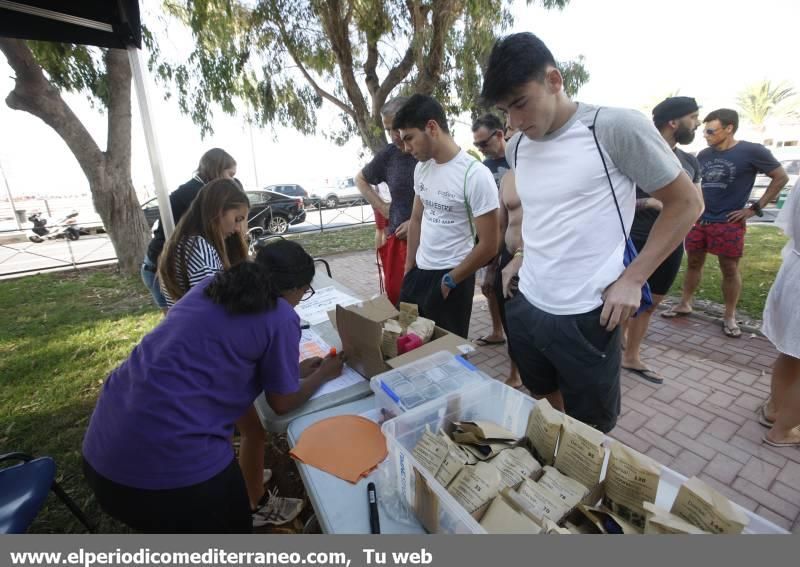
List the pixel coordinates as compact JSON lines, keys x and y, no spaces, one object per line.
{"x":435,"y":376}
{"x":491,"y":401}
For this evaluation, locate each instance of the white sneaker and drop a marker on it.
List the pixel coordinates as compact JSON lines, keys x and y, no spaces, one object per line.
{"x":277,"y":510}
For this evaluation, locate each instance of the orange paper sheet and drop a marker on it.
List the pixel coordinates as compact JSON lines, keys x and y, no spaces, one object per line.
{"x":346,"y":446}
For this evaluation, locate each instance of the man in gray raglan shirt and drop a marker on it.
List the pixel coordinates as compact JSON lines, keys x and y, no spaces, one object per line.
{"x":575,"y":289}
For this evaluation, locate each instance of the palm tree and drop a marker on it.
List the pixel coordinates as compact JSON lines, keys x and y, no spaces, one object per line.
{"x":760,"y":101}
{"x":648,"y":107}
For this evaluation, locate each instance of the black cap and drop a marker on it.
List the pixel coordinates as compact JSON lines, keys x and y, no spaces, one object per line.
{"x":672,"y":108}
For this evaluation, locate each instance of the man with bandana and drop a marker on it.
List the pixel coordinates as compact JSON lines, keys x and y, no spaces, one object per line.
{"x":677,"y":118}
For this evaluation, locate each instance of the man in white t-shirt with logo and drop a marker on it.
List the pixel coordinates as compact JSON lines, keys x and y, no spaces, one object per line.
{"x":576,"y":169}
{"x":454,"y":227}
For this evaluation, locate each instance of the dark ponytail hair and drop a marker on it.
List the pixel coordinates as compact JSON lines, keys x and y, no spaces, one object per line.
{"x":253,"y":287}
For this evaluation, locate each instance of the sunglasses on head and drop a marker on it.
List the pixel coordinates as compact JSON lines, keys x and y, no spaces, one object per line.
{"x":485,"y":143}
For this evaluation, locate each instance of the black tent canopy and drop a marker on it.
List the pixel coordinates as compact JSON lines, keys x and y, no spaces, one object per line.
{"x":104,"y":23}
{"x":109,"y":23}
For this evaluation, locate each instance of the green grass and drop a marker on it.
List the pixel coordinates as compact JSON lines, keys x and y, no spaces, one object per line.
{"x":337,"y":241}
{"x":762,"y":258}
{"x":60,"y":336}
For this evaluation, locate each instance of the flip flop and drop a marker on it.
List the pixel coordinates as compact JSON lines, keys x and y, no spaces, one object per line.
{"x":781,"y":443}
{"x":483,"y":341}
{"x":647,"y":374}
{"x":762,"y":416}
{"x":732,"y":332}
{"x":671,"y":314}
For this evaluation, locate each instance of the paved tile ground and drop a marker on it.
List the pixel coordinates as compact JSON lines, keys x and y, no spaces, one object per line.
{"x":701,"y":421}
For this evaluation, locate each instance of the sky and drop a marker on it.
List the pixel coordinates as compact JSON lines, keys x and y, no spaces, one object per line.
{"x":636,"y":51}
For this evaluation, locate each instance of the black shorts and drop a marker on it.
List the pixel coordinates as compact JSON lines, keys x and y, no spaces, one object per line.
{"x":423,"y":287}
{"x":505,"y":258}
{"x":218,"y":505}
{"x":664,"y":276}
{"x":572,"y":354}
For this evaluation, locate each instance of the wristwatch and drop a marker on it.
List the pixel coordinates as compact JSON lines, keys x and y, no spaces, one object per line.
{"x":756,"y":208}
{"x":448,"y":280}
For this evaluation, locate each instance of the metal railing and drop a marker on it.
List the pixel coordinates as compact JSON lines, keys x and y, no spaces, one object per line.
{"x":19,"y":256}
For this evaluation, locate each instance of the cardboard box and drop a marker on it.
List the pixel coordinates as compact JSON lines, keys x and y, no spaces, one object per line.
{"x":360,"y":327}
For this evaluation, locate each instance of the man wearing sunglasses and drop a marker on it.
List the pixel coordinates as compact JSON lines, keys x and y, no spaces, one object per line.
{"x":728,"y":168}
{"x":487,"y":135}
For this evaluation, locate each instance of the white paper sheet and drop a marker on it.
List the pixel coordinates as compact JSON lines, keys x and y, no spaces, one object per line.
{"x":311,"y":344}
{"x":315,"y":310}
{"x":348,"y":378}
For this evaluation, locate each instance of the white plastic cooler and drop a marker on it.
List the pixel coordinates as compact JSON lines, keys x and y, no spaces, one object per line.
{"x":489,"y":401}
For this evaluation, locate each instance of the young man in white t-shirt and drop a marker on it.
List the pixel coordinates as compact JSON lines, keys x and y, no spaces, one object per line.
{"x":455,"y":206}
{"x":575,"y":289}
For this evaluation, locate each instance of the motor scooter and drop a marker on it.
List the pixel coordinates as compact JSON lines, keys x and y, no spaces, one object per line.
{"x":43,"y":229}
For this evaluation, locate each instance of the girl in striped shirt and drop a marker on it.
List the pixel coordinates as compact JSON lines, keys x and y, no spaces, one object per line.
{"x":209,"y":238}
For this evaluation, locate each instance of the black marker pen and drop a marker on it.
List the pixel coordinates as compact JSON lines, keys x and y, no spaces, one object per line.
{"x":372,"y":498}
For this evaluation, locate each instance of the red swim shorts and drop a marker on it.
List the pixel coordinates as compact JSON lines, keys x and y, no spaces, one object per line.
{"x":718,"y":238}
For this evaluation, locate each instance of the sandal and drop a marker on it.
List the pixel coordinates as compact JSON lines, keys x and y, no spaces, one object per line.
{"x":647,"y":374}
{"x":762,"y":416}
{"x":484,"y":341}
{"x":782,"y":443}
{"x":672,"y":314}
{"x":733,"y":332}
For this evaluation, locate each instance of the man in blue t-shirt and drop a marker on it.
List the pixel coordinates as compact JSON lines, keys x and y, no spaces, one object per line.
{"x":487,"y":135}
{"x":728,"y":168}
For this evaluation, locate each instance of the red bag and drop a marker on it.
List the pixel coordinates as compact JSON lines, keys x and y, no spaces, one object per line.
{"x":393,"y":262}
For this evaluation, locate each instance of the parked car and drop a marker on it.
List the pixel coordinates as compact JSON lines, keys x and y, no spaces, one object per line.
{"x":792,"y":167}
{"x":274,"y":212}
{"x":345,"y":193}
{"x":270,"y":210}
{"x":290,"y":190}
{"x":151,"y":214}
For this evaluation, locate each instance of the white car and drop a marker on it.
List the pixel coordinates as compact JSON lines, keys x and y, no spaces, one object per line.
{"x":345,"y":193}
{"x":792,"y":167}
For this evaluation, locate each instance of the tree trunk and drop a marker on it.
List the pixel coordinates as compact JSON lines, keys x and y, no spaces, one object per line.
{"x":372,"y":133}
{"x":108,"y":173}
{"x":115,"y":198}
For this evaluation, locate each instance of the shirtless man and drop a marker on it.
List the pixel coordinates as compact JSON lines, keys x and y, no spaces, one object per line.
{"x":504,"y":269}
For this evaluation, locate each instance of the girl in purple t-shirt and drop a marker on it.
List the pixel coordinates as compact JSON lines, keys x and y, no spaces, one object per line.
{"x":157,"y":452}
{"x":208,"y":239}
